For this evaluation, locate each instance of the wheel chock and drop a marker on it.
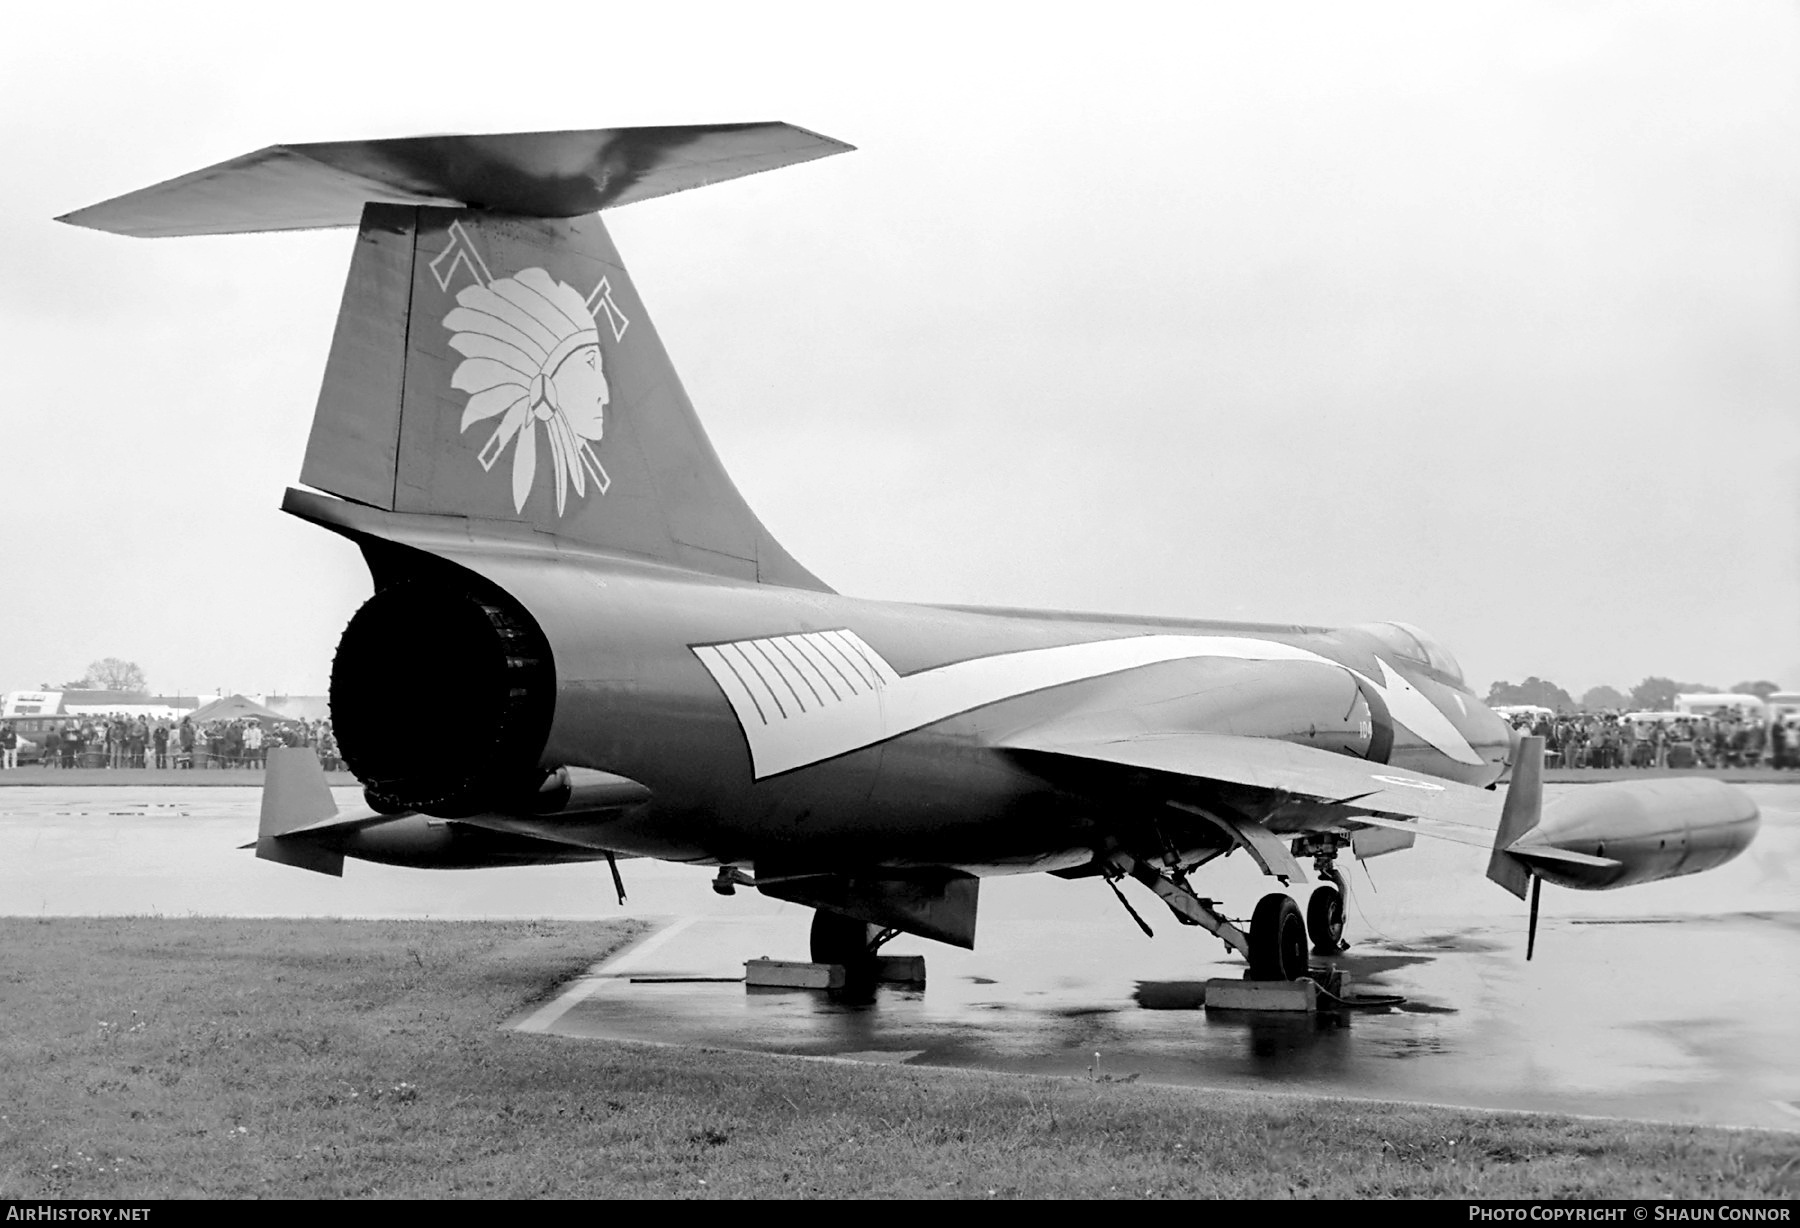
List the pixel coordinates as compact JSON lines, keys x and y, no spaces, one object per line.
{"x":796,"y":974}
{"x":791,"y":974}
{"x":900,"y":969}
{"x":1224,"y":994}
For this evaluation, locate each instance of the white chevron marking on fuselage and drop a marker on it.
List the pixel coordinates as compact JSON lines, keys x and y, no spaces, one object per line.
{"x":809,"y":697}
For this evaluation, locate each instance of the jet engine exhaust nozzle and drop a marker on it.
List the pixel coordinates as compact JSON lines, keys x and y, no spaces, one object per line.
{"x":442,"y":699}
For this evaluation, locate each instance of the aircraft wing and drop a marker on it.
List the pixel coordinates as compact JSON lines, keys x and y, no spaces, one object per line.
{"x":1273,"y":776}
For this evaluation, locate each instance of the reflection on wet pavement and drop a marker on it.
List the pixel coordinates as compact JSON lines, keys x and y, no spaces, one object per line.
{"x":1601,"y":1027}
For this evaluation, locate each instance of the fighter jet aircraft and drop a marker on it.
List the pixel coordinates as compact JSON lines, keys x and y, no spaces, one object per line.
{"x":637,"y":668}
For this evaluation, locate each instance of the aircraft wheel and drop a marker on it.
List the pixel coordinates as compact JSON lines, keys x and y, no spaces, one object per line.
{"x":1277,"y":940}
{"x":837,"y":939}
{"x":1325,"y":919}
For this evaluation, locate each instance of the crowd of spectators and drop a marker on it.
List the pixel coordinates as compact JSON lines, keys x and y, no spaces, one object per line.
{"x":122,"y":741}
{"x":1613,"y":740}
{"x":1584,"y":740}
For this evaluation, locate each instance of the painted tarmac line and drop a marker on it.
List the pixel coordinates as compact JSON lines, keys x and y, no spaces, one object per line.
{"x":598,"y":977}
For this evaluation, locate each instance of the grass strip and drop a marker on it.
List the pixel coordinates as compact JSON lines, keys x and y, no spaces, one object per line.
{"x":226,"y":1058}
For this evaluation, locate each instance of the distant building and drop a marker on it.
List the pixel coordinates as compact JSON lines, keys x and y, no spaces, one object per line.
{"x":1721,"y":704}
{"x":96,"y":703}
{"x":298,"y":707}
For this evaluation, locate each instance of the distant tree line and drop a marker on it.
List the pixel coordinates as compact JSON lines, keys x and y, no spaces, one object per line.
{"x":107,"y":674}
{"x":1655,"y":694}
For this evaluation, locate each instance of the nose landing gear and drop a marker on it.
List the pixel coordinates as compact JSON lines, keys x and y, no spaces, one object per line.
{"x":1325,"y":915}
{"x":1325,"y":909}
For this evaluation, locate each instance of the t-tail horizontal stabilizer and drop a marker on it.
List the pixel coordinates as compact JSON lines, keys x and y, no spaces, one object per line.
{"x":527,"y":174}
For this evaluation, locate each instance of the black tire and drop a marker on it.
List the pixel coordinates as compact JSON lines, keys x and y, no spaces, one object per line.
{"x":1325,"y":919}
{"x":1277,"y":940}
{"x":837,"y":939}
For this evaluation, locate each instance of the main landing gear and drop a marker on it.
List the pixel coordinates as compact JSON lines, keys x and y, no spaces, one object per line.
{"x":1278,"y":941}
{"x":837,"y":939}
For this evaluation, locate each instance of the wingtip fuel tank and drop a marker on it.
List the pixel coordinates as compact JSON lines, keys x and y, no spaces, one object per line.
{"x":1646,"y":829}
{"x":1603,"y":836}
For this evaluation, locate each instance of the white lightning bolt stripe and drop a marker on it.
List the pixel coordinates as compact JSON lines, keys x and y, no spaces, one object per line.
{"x":790,"y":721}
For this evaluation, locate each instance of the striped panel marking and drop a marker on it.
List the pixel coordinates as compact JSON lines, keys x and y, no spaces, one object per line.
{"x":812,"y":696}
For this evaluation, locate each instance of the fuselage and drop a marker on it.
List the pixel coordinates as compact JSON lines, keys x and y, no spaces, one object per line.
{"x":641,"y":692}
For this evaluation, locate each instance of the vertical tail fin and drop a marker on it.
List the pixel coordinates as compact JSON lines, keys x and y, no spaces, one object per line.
{"x":504,"y":368}
{"x":493,"y":359}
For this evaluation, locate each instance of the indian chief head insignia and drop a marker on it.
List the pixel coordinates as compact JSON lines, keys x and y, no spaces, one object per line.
{"x":531,"y":358}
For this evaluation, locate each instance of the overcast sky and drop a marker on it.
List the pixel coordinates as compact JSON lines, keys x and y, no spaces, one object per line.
{"x":1485,"y":318}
